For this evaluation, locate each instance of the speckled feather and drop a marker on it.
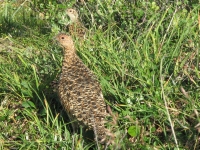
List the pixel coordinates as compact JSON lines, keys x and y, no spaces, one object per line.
{"x":79,"y":90}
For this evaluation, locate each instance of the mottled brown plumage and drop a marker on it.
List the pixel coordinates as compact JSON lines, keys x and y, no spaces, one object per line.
{"x":80,"y":92}
{"x":76,"y":28}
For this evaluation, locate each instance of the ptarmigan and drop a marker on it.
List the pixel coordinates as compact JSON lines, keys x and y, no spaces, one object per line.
{"x":80,"y":92}
{"x":76,"y":28}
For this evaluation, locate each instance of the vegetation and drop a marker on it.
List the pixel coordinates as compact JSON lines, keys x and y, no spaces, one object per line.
{"x":145,"y":54}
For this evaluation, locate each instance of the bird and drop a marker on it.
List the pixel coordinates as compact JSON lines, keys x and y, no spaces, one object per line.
{"x":76,"y":28}
{"x":80,"y":92}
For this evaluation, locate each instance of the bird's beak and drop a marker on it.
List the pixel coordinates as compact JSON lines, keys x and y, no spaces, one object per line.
{"x":55,"y":39}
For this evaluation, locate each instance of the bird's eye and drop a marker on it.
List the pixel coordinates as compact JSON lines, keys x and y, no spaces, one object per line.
{"x":70,"y":11}
{"x":62,"y":38}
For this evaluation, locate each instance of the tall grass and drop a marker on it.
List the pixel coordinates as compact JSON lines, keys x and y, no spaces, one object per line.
{"x":145,"y":55}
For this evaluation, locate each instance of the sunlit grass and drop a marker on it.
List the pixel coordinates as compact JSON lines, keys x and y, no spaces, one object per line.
{"x":149,"y":74}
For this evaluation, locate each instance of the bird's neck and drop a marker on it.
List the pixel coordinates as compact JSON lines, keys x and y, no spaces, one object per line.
{"x":73,"y":20}
{"x":69,"y":56}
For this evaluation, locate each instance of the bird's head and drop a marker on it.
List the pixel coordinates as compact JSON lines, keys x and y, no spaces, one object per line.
{"x":73,"y":15}
{"x":65,"y":41}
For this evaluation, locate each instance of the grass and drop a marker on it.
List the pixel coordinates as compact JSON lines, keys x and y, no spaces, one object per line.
{"x":146,"y":58}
